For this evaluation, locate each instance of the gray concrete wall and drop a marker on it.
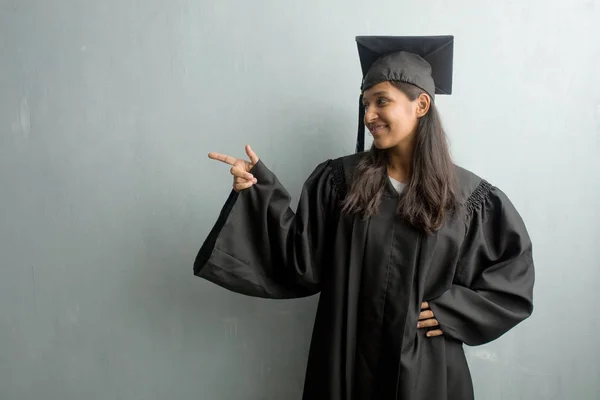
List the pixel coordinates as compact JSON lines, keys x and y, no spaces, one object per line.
{"x":108,"y":109}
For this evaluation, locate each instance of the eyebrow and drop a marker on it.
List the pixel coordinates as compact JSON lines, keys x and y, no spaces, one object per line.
{"x":380,"y":93}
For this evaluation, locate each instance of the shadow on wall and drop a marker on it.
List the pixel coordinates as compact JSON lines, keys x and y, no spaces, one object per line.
{"x":219,"y":337}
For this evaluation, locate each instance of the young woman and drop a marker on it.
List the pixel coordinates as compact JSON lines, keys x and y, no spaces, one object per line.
{"x":412,"y":255}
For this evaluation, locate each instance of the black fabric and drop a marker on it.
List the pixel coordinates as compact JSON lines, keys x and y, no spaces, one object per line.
{"x":424,"y":61}
{"x":372,"y":275}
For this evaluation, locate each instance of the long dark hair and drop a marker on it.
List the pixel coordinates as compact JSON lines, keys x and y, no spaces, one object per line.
{"x":432,"y":191}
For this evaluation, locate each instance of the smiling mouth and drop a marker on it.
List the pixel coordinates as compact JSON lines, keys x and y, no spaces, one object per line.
{"x":376,"y":129}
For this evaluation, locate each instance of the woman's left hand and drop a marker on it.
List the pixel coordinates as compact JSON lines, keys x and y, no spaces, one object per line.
{"x":427,"y":320}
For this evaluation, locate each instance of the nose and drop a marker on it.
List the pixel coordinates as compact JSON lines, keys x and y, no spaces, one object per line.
{"x":370,"y":115}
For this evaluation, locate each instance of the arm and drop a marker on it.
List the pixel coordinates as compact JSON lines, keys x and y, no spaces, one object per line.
{"x":493,"y":289}
{"x":260,"y":247}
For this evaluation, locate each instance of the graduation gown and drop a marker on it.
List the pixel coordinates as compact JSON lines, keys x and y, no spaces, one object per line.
{"x":372,"y":275}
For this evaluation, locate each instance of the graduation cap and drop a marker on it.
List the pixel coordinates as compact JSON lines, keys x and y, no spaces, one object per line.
{"x":423,"y":61}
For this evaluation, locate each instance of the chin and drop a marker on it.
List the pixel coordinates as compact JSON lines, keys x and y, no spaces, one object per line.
{"x":382,"y":144}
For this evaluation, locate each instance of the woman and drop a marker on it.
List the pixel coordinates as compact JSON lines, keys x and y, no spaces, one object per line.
{"x":412,"y":256}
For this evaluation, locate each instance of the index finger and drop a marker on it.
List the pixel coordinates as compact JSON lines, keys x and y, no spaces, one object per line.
{"x":223,"y":158}
{"x":251,"y":154}
{"x":424,"y":305}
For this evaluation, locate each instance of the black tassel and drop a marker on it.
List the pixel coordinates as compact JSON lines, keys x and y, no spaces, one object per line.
{"x":360,"y":136}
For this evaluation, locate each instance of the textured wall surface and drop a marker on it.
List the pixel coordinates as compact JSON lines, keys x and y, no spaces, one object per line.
{"x":108,"y":109}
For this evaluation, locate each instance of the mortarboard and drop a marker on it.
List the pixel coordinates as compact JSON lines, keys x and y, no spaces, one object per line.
{"x":424,"y":61}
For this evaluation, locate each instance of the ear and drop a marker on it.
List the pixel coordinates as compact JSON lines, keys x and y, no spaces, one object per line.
{"x":423,"y":103}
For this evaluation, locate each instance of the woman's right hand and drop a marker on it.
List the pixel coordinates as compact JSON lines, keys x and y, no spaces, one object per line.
{"x":240,"y":169}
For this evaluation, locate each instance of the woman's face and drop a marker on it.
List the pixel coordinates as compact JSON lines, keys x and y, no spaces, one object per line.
{"x":391,"y":116}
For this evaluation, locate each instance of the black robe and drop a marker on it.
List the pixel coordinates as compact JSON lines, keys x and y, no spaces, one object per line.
{"x":372,"y":275}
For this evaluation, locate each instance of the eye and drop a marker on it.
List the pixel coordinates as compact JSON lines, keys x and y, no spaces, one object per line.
{"x":381,"y":101}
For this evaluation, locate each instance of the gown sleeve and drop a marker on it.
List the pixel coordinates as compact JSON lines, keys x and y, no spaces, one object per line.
{"x":493,"y":288}
{"x":261,"y":248}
